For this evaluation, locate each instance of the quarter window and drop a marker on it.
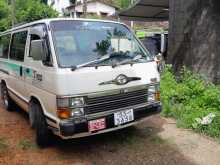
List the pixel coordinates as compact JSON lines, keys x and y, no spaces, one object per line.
{"x":4,"y":45}
{"x":18,"y":46}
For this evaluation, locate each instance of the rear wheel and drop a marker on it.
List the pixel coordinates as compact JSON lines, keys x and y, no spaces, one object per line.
{"x":43,"y":134}
{"x":7,"y":101}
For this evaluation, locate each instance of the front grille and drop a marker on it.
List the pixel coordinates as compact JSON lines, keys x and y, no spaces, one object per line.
{"x":116,"y":101}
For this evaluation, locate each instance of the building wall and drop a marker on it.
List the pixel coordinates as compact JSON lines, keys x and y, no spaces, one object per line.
{"x":59,"y":5}
{"x":97,"y":8}
{"x":194,"y":36}
{"x":105,"y":8}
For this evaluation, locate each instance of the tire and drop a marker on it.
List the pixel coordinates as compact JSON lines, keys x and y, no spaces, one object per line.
{"x":43,"y":134}
{"x":8,"y":103}
{"x":31,"y":114}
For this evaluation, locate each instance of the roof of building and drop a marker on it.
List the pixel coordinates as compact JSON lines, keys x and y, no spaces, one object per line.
{"x":147,"y":10}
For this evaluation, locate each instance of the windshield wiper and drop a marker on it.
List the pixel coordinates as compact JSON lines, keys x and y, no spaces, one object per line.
{"x":128,"y":61}
{"x":103,"y":58}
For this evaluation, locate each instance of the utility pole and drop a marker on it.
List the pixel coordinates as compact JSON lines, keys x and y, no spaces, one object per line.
{"x":75,"y":3}
{"x":13,"y":20}
{"x":84,"y":8}
{"x":132,"y":22}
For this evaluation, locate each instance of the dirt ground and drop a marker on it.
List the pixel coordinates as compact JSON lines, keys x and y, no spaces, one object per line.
{"x":156,"y":141}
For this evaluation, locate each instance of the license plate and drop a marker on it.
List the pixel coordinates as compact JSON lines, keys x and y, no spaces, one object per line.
{"x":123,"y":117}
{"x":95,"y":125}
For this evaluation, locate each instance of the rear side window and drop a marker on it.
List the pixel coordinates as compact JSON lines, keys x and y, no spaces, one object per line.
{"x":18,"y":46}
{"x":4,"y":45}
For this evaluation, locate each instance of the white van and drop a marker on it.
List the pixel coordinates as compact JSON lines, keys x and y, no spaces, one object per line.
{"x":77,"y":77}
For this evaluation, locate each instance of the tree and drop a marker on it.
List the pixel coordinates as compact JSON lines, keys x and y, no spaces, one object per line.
{"x":44,"y":1}
{"x":5,"y":21}
{"x":31,"y":10}
{"x":122,"y":3}
{"x":25,"y":11}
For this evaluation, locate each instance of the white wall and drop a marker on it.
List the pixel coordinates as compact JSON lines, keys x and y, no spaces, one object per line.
{"x":59,"y":5}
{"x":105,"y":8}
{"x":96,"y":8}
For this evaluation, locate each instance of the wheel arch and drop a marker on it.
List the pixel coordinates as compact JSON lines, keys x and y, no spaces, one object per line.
{"x":38,"y":101}
{"x":3,"y":82}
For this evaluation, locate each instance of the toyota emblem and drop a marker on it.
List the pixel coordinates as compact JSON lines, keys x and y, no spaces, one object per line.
{"x":121,"y":79}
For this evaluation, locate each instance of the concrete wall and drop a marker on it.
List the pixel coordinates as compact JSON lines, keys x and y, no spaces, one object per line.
{"x":59,"y":5}
{"x":96,"y":8}
{"x":194,"y":39}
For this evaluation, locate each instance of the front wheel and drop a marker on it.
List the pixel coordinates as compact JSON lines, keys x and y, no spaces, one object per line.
{"x":42,"y":131}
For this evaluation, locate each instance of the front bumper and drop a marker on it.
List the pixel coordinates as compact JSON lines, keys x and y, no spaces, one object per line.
{"x":78,"y":127}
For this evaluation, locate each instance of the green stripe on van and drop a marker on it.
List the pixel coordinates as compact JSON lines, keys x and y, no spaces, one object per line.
{"x":16,"y":68}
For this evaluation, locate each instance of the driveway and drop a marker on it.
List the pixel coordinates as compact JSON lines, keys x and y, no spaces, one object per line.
{"x":155,"y":141}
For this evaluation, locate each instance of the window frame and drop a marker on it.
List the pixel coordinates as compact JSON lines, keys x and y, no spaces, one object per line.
{"x":11,"y":43}
{"x":142,"y":47}
{"x":47,"y":43}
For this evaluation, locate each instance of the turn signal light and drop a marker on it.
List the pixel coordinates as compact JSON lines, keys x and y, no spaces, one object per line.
{"x":157,"y":96}
{"x":63,"y":113}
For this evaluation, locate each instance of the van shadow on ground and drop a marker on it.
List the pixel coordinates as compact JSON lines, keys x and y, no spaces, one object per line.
{"x":135,"y":145}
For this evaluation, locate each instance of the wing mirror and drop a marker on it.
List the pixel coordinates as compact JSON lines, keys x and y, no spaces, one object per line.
{"x":160,"y":62}
{"x":37,"y":51}
{"x":158,"y":57}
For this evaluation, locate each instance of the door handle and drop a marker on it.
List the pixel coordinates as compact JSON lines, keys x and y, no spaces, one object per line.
{"x":21,"y":71}
{"x":27,"y":70}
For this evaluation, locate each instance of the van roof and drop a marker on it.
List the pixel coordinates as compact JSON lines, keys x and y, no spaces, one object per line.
{"x":47,"y":21}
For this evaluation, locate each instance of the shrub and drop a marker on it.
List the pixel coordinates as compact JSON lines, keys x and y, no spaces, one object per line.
{"x":189,"y":97}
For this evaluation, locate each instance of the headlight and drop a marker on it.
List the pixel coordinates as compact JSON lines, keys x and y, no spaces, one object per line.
{"x":70,"y":107}
{"x":77,"y":112}
{"x":70,"y":102}
{"x":76,"y":102}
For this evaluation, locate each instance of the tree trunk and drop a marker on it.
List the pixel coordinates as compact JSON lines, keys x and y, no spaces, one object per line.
{"x":13,"y":13}
{"x":194,"y":37}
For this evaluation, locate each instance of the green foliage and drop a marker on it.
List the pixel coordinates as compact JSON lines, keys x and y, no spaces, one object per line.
{"x":122,"y":3}
{"x":25,"y":11}
{"x":3,"y":145}
{"x":26,"y":144}
{"x":4,"y":15}
{"x":190,"y":97}
{"x":31,"y":10}
{"x":44,"y":1}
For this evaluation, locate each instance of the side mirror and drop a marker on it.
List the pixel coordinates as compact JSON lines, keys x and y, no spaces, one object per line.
{"x":37,"y":51}
{"x":159,"y":57}
{"x":160,"y":62}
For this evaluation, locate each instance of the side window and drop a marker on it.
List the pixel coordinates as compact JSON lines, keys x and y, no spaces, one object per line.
{"x":18,"y":46}
{"x":4,"y":45}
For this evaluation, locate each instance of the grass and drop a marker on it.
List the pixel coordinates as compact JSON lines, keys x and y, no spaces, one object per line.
{"x":190,"y":97}
{"x":26,"y":144}
{"x":3,"y":145}
{"x":157,"y":140}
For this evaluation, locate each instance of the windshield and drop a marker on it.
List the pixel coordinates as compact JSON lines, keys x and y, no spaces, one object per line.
{"x":79,"y":42}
